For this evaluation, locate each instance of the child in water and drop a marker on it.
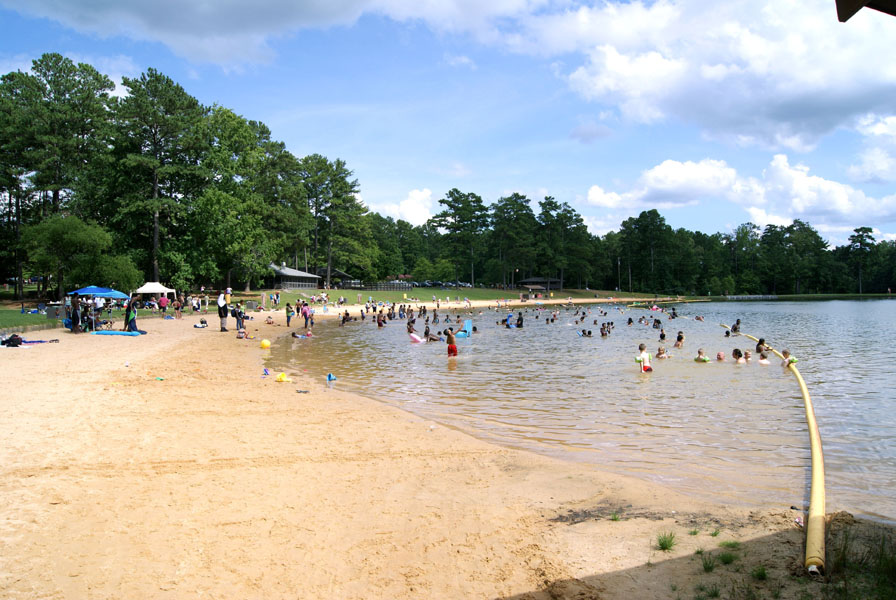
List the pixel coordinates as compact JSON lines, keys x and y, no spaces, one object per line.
{"x":644,"y":359}
{"x":661,"y":353}
{"x":763,"y":359}
{"x":701,"y":356}
{"x":787,"y":358}
{"x":679,"y":341}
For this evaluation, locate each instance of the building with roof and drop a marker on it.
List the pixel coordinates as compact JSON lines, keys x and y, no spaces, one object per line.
{"x":292,"y":279}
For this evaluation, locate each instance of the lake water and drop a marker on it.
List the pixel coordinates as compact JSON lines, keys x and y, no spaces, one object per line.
{"x":735,"y":433}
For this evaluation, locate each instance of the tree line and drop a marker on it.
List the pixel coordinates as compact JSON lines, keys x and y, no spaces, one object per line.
{"x":107,"y":190}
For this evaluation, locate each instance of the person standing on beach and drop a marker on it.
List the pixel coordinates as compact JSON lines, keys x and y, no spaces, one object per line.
{"x":76,"y":313}
{"x":222,"y":310}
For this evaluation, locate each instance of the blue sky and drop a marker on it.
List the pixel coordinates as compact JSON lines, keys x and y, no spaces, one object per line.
{"x":713,"y":113}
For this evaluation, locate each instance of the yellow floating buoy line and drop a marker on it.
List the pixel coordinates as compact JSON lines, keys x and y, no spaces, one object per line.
{"x":815,"y":522}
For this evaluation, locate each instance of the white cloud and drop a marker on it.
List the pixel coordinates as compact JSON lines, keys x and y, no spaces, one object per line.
{"x":416,"y":209}
{"x":875,"y":164}
{"x":598,"y":197}
{"x":779,"y":74}
{"x":460,"y":61}
{"x":634,"y":82}
{"x":684,"y":182}
{"x":874,"y":125}
{"x":783,"y":193}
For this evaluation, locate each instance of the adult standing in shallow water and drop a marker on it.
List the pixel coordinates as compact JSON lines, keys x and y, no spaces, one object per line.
{"x":452,"y":343}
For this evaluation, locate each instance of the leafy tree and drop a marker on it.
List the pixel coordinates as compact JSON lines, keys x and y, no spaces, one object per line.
{"x":423,"y":270}
{"x":160,"y":132}
{"x":464,"y":221}
{"x":78,"y":252}
{"x":513,"y":233}
{"x":860,"y":244}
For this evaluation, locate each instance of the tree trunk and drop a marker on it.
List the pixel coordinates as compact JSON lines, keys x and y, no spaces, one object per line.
{"x":329,"y":261}
{"x":20,"y":285}
{"x":860,"y":278}
{"x":155,"y":228}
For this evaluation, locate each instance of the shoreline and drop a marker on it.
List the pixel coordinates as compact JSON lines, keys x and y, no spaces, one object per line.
{"x":165,"y":466}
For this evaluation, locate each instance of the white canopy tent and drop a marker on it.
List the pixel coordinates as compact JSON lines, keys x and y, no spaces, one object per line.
{"x":154,"y":287}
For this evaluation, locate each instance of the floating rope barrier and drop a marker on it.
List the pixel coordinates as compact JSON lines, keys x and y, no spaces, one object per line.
{"x":816,"y":520}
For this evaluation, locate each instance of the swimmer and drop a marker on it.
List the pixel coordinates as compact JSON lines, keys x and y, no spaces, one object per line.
{"x":701,"y":356}
{"x":662,"y":335}
{"x":738,"y":356}
{"x":661,"y":353}
{"x":763,"y":359}
{"x":788,"y":360}
{"x":747,"y":356}
{"x":720,"y":357}
{"x":644,"y":359}
{"x":761,"y":346}
{"x":679,"y":340}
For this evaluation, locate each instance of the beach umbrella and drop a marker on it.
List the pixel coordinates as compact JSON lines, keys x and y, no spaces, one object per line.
{"x":93,"y":290}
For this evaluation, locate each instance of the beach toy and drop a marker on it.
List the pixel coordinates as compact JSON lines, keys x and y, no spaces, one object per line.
{"x":266,"y":372}
{"x":702,"y":359}
{"x":330,"y":377}
{"x":282,"y":378}
{"x":415,"y":339}
{"x":265,"y":343}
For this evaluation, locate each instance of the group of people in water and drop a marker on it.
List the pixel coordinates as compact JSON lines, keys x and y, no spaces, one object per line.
{"x":382,"y":314}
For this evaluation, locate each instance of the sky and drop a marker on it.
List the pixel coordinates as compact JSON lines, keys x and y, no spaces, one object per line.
{"x":714,"y":113}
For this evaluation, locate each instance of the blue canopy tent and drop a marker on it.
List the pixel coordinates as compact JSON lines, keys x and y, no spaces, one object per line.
{"x":92,"y":290}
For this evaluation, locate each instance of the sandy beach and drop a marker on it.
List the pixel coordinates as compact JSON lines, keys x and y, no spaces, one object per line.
{"x":168,"y":466}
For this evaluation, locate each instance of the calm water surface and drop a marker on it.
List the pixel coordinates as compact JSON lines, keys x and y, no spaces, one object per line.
{"x":736,"y":433}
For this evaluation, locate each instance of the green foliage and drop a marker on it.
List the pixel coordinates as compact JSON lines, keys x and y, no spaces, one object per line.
{"x":463,"y":220}
{"x":759,"y":573}
{"x":726,"y":558}
{"x":201,"y":195}
{"x":665,"y":541}
{"x":709,"y":562}
{"x":77,"y":254}
{"x":730,"y":544}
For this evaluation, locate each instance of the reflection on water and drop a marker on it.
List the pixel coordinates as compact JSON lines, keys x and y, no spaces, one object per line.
{"x":733,"y":432}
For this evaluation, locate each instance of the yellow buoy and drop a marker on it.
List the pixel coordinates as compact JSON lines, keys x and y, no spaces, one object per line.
{"x":265,"y":343}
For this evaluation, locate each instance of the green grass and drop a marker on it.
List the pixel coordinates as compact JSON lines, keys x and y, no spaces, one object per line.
{"x":715,"y":533}
{"x":615,"y":517}
{"x":424,"y":295}
{"x":759,"y":573}
{"x":665,"y":541}
{"x":693,"y":532}
{"x":709,"y":562}
{"x":866,"y":572}
{"x":730,"y":544}
{"x":726,"y":558}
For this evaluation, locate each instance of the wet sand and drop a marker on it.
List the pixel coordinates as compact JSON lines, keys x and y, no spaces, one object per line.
{"x":167,"y":466}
